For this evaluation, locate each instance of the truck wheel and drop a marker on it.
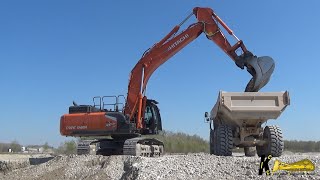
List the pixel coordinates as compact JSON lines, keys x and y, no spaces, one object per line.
{"x":212,"y":141}
{"x":274,"y":142}
{"x":211,"y":146}
{"x":249,"y":151}
{"x":223,"y":144}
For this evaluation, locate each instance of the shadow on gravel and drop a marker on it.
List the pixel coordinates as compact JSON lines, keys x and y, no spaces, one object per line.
{"x":36,"y":161}
{"x":131,"y":171}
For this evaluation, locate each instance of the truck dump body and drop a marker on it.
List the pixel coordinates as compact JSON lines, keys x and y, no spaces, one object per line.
{"x":251,"y":108}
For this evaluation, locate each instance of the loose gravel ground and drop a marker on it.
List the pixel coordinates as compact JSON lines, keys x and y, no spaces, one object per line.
{"x":9,"y":162}
{"x":191,"y":166}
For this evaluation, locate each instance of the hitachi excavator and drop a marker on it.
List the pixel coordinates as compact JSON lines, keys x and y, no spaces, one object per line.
{"x":126,"y":119}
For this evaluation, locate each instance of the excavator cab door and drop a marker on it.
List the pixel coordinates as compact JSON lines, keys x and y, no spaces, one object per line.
{"x":261,"y":69}
{"x":152,"y":118}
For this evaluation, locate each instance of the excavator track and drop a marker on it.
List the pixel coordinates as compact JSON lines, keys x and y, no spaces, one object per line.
{"x":146,"y":147}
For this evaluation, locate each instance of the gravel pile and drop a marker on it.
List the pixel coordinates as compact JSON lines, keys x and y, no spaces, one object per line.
{"x":9,"y":162}
{"x":72,"y":167}
{"x":191,"y":166}
{"x":204,"y":166}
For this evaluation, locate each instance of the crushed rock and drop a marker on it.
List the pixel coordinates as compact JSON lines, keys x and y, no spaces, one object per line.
{"x":179,"y":167}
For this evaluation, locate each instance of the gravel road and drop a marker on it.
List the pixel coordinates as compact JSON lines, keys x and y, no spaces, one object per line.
{"x":191,"y":166}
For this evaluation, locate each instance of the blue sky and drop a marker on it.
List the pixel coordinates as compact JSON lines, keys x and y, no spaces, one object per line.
{"x":54,"y":52}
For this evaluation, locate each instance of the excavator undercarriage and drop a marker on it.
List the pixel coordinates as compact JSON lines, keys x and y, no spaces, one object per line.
{"x":138,"y":146}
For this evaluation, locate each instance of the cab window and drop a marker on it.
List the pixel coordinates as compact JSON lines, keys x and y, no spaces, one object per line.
{"x":148,"y":115}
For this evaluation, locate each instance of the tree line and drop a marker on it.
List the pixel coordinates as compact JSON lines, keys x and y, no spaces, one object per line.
{"x":14,"y":146}
{"x":302,"y":146}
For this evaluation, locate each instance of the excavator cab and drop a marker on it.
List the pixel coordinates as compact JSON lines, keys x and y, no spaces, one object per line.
{"x":152,"y":118}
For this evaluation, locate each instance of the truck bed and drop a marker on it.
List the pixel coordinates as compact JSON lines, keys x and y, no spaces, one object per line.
{"x":235,"y":108}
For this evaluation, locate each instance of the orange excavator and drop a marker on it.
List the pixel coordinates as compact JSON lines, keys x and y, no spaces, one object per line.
{"x":126,"y":119}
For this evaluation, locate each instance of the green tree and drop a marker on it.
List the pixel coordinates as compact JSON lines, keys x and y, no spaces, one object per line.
{"x":1,"y":147}
{"x":46,"y":146}
{"x":68,"y":147}
{"x":15,"y":146}
{"x":182,"y":142}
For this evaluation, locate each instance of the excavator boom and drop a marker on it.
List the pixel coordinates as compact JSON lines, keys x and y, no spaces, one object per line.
{"x":260,"y":68}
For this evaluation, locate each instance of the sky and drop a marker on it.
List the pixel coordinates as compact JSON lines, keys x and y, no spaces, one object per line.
{"x":54,"y":52}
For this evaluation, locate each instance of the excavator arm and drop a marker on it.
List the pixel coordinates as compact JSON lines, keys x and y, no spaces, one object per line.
{"x":260,"y":68}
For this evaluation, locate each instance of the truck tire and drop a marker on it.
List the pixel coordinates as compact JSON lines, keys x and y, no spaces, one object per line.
{"x":224,"y":143}
{"x":274,"y":146}
{"x":212,"y":141}
{"x":249,"y":151}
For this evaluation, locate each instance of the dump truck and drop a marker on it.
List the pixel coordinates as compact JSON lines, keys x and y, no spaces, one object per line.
{"x":237,"y":119}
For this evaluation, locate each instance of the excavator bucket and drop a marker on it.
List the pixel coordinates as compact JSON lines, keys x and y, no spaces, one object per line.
{"x":261,"y":69}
